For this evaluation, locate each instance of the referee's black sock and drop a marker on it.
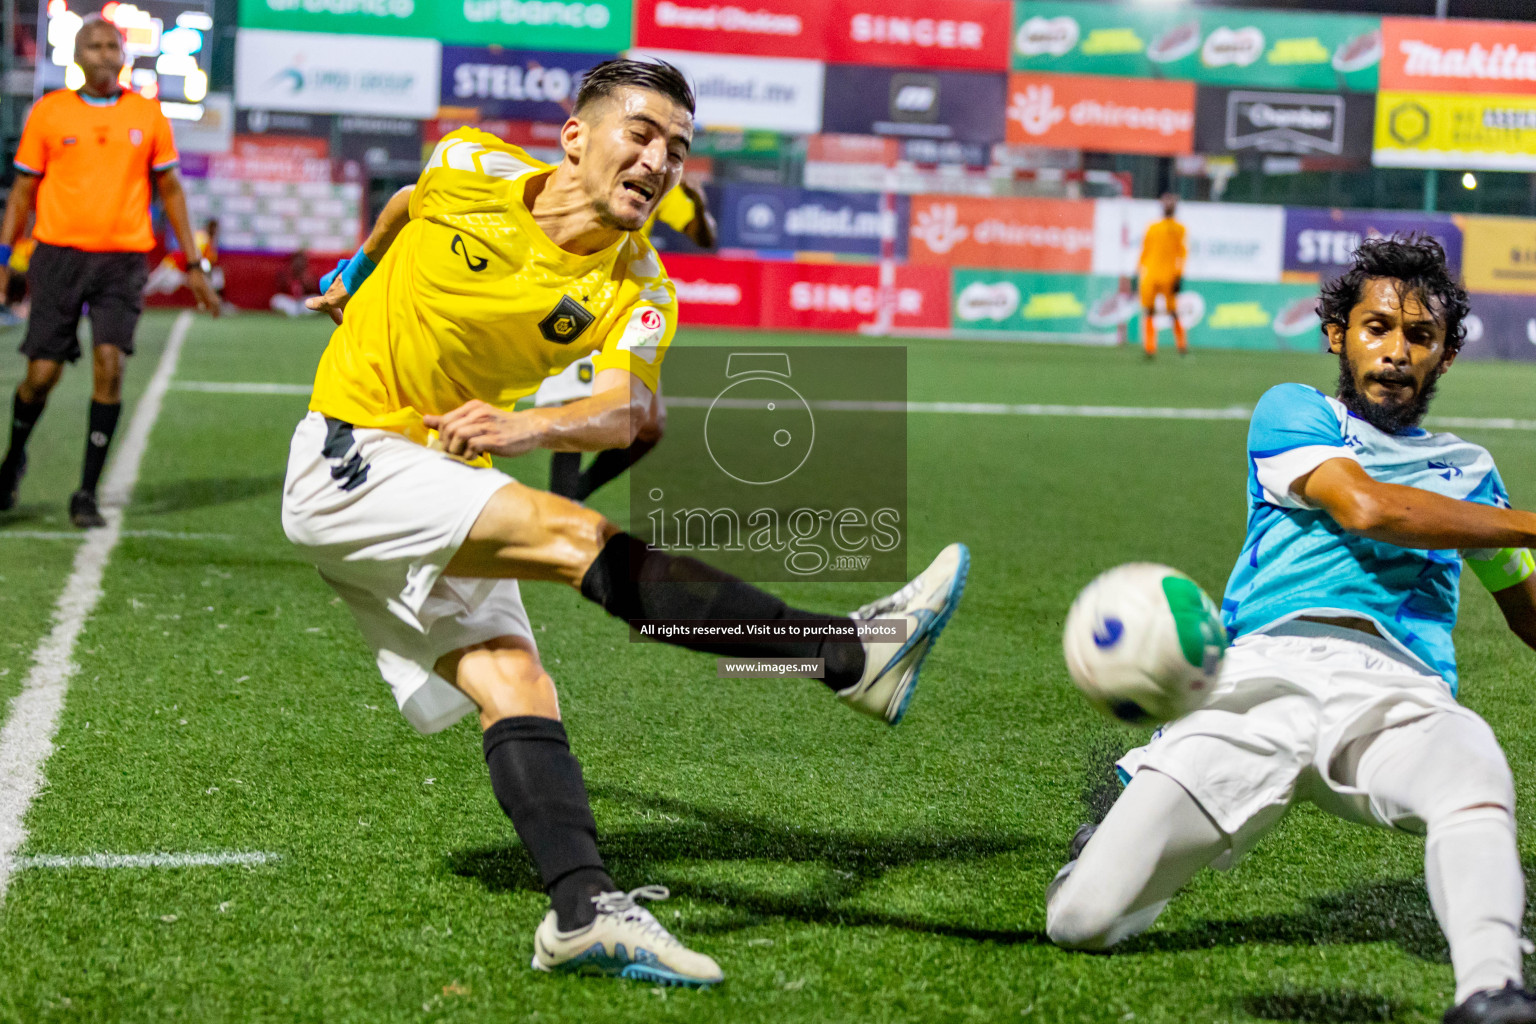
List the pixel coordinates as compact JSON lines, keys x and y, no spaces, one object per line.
{"x":565,"y":474}
{"x":97,"y":440}
{"x":537,"y":781}
{"x":639,"y":584}
{"x":610,"y":464}
{"x":24,"y":416}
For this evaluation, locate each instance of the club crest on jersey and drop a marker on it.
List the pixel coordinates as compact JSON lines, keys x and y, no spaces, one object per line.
{"x":566,"y":321}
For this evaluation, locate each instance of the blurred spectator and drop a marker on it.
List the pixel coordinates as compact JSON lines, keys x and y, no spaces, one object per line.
{"x":295,"y":284}
{"x":171,"y":274}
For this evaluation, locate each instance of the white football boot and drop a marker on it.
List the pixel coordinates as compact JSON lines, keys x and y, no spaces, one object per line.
{"x":625,"y":941}
{"x":890,"y":669}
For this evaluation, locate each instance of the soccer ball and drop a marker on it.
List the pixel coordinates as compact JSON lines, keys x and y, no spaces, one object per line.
{"x":1144,"y":643}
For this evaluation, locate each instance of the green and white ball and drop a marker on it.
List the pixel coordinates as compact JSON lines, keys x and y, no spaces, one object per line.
{"x":1144,"y":643}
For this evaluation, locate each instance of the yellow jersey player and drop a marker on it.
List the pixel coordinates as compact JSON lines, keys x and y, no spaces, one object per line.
{"x":684,"y":210}
{"x":491,"y":272}
{"x":1161,"y":267}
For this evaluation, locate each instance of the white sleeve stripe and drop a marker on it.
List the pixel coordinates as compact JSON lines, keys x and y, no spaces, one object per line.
{"x":1277,"y":473}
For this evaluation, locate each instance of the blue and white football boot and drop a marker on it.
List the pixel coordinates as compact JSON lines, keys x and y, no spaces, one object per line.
{"x":890,"y":669}
{"x":624,"y":941}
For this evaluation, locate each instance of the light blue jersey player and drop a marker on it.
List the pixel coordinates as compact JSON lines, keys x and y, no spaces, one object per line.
{"x":1340,"y":688}
{"x":1299,"y":563}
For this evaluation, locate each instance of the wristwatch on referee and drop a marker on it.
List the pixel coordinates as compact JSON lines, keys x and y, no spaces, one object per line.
{"x":204,"y":265}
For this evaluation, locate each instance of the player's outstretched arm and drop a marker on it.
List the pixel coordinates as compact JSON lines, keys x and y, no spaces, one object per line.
{"x":339,"y":285}
{"x":620,"y":403}
{"x":1409,"y":516}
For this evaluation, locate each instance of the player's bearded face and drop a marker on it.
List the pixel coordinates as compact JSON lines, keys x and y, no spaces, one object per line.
{"x":634,"y":155}
{"x":1391,"y":355}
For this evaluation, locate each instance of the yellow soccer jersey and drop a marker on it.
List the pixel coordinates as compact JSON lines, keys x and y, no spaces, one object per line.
{"x":676,"y":210}
{"x":473,"y":301}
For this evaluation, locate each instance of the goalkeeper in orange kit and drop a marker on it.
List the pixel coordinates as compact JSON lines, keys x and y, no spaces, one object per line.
{"x":1161,"y":268}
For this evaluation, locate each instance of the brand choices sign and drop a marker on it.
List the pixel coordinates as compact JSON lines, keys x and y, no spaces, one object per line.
{"x":1303,"y":124}
{"x":751,"y":92}
{"x":515,"y":84}
{"x":776,"y":217}
{"x":947,"y":105}
{"x":762,"y":28}
{"x":340,"y":74}
{"x":717,"y":293}
{"x":1324,"y":241}
{"x":1110,"y":115}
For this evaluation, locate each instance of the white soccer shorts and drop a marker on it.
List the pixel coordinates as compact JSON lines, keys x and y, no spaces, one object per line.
{"x":1280,"y":726}
{"x":380,"y":519}
{"x":572,"y":383}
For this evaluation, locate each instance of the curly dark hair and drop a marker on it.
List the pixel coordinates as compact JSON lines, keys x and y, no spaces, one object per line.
{"x":1418,"y":262}
{"x":657,"y":75}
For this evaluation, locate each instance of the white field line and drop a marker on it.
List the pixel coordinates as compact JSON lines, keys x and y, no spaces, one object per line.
{"x":27,"y":737}
{"x":148,"y":860}
{"x":82,"y":535}
{"x":1124,"y":412}
{"x":222,"y":387}
{"x":1130,"y":412}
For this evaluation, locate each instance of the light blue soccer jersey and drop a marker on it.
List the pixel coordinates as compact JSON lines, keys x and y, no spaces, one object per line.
{"x":1298,"y":561}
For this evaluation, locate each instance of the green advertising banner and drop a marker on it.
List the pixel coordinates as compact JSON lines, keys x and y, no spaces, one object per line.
{"x":591,"y":26}
{"x":1217,"y":314}
{"x":1268,"y":49}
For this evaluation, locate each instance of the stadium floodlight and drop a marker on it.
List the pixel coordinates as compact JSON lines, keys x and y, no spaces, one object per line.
{"x":1469,"y":180}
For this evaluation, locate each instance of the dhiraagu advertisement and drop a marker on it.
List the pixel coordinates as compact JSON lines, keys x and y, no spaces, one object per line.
{"x":1268,"y":49}
{"x":1092,"y":308}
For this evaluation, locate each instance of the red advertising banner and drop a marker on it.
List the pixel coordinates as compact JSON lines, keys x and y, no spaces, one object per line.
{"x":967,"y":34}
{"x":712,"y":292}
{"x":273,"y":158}
{"x":1018,"y":234}
{"x":845,"y":297}
{"x":1429,"y":55}
{"x":1110,"y":115}
{"x":759,"y":28}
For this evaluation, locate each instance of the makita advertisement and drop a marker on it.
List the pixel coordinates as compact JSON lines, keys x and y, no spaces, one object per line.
{"x":519,"y":85}
{"x":774,"y":217}
{"x":1313,"y":124}
{"x":958,"y":105}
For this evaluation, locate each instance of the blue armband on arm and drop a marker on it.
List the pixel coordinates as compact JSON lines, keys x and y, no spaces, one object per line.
{"x":5,"y":255}
{"x":353,"y":272}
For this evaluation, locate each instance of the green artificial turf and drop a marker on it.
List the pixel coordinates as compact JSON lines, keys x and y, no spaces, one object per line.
{"x":838,"y":870}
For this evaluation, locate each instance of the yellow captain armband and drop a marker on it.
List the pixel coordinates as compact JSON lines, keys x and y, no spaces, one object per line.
{"x":1505,"y":569}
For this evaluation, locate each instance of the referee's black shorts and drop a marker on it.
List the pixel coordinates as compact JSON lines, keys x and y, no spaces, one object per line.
{"x":65,"y":282}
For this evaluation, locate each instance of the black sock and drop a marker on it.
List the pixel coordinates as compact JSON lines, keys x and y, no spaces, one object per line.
{"x":565,"y":474}
{"x":610,"y":464}
{"x":97,"y":440}
{"x":638,"y":584}
{"x":537,"y":781}
{"x":24,"y":416}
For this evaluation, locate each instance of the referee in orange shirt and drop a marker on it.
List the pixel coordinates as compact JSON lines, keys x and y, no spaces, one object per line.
{"x":86,"y":160}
